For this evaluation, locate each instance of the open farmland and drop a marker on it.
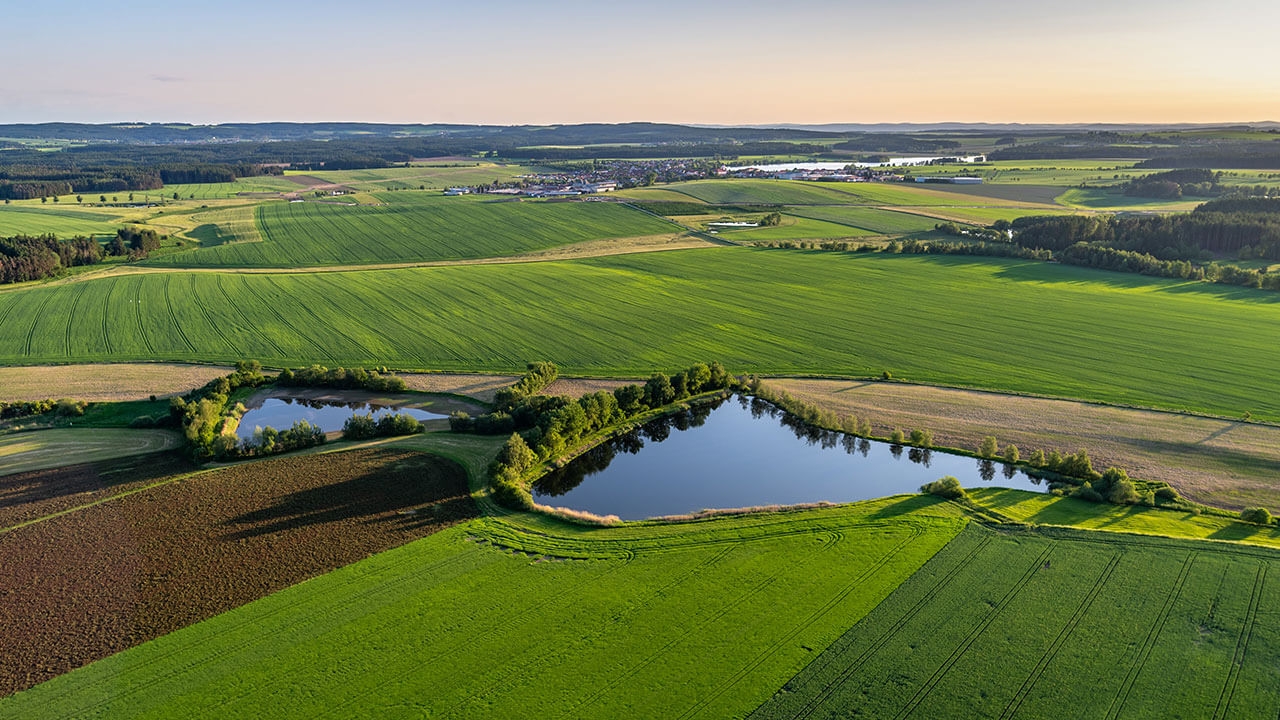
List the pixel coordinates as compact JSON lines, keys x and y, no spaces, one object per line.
{"x":870,"y":220}
{"x":695,"y":620}
{"x":23,"y":452}
{"x":41,"y":220}
{"x":1064,"y":625}
{"x":428,"y":175}
{"x":796,"y":192}
{"x":103,"y":383}
{"x":106,"y":576}
{"x":1000,"y":324}
{"x":414,"y":227}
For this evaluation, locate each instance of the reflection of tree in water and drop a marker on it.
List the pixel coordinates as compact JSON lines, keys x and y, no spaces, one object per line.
{"x":850,"y":444}
{"x":1009,"y":471}
{"x":986,"y":470}
{"x":559,"y":482}
{"x":920,"y":456}
{"x":864,"y":446}
{"x":896,"y":451}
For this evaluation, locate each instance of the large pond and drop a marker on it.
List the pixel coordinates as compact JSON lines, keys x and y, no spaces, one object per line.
{"x":747,"y":453}
{"x":328,"y":415}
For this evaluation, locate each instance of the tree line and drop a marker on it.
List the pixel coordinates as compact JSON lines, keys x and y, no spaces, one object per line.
{"x":25,"y":257}
{"x":377,"y":379}
{"x":543,"y":427}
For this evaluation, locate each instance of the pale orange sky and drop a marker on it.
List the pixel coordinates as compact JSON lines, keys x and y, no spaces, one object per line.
{"x":806,"y":61}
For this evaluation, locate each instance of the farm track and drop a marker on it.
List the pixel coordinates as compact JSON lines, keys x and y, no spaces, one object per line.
{"x":1015,"y":703}
{"x":71,"y":315}
{"x":36,"y":317}
{"x":1144,"y":651}
{"x":1242,"y":646}
{"x":137,"y":314}
{"x":173,"y":317}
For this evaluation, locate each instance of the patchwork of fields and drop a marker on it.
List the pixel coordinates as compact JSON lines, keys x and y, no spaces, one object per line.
{"x":1007,"y":325}
{"x":700,"y":620}
{"x":417,"y":228}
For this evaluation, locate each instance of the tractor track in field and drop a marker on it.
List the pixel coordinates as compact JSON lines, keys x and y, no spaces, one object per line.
{"x":1148,"y":644}
{"x":173,"y":317}
{"x":71,"y":316}
{"x":1042,"y":664}
{"x":1242,"y":645}
{"x":973,"y":636}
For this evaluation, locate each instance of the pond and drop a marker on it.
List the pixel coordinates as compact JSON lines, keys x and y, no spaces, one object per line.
{"x":746,"y":453}
{"x":328,"y":415}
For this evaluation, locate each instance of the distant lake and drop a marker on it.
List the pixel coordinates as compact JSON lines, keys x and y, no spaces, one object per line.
{"x":783,"y":167}
{"x":328,"y":415}
{"x":745,"y":452}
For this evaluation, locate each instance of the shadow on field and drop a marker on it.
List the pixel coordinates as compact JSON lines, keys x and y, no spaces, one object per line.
{"x":30,"y":494}
{"x":1245,"y":531}
{"x":905,"y":506}
{"x":426,"y":491}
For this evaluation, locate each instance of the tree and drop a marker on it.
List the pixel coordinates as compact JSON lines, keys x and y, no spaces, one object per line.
{"x":80,"y":198}
{"x":989,"y":448}
{"x":922,"y":438}
{"x":658,"y":390}
{"x":897,"y":437}
{"x":1258,"y":515}
{"x":947,"y":487}
{"x":1120,"y":489}
{"x":102,"y":199}
{"x":1011,"y":454}
{"x":516,"y":454}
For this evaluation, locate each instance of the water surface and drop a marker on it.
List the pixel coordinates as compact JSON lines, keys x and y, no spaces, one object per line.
{"x":746,"y":453}
{"x":328,"y":415}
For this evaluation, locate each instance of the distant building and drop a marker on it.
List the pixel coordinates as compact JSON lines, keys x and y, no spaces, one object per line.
{"x":458,"y":191}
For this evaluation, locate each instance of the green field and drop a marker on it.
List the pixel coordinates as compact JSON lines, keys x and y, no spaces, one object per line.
{"x":490,"y":619}
{"x":1093,"y":199}
{"x":39,"y":220}
{"x":1017,"y":326}
{"x":23,"y":452}
{"x":796,"y":192}
{"x":417,"y":228}
{"x":791,"y":228}
{"x":217,"y":191}
{"x":1068,"y":625}
{"x":871,"y":220}
{"x":431,"y":175}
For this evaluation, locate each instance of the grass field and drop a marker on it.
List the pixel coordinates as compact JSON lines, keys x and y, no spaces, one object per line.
{"x":796,"y":192}
{"x":699,"y":620}
{"x":23,"y":452}
{"x":415,"y":227}
{"x":37,"y":220}
{"x":871,"y":220}
{"x":1103,"y":200}
{"x":1219,"y":462}
{"x":1009,"y":325}
{"x":791,"y":228}
{"x":218,"y":191}
{"x":221,"y":226}
{"x":430,"y":175}
{"x":101,"y":383}
{"x":1070,"y":625}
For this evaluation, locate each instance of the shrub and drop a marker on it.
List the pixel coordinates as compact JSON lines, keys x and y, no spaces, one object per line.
{"x":1119,"y":488}
{"x":1086,"y":492}
{"x":1011,"y":455}
{"x":946,"y":487}
{"x":71,"y":408}
{"x":922,"y":438}
{"x":1167,"y":494}
{"x":398,"y":424}
{"x":1258,"y":515}
{"x":1037,"y":458}
{"x":989,"y":448}
{"x":896,"y":437}
{"x":359,"y":427}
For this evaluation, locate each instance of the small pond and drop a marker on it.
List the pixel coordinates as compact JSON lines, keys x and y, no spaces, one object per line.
{"x":743,"y":453}
{"x":328,"y":415}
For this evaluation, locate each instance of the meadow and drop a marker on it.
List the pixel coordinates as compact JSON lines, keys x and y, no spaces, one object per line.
{"x":1068,"y":624}
{"x":428,"y":175}
{"x":698,"y":620}
{"x":28,"y":219}
{"x":413,"y":227}
{"x":795,"y":192}
{"x":1008,"y":325}
{"x":24,"y":452}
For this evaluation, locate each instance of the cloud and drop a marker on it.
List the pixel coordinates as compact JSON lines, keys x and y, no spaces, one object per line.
{"x":168,"y":78}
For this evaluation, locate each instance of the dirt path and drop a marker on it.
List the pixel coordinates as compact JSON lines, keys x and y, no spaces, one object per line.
{"x":1218,"y":462}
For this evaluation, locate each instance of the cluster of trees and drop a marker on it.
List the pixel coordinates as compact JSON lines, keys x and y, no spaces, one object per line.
{"x":773,"y":219}
{"x":31,"y":408}
{"x":269,"y":441}
{"x":137,"y":243}
{"x":1245,"y":155}
{"x":1173,"y":184}
{"x":947,"y":486}
{"x":24,"y":257}
{"x":31,"y":174}
{"x":201,"y":412}
{"x":377,"y":379}
{"x":544,"y":427}
{"x":537,"y":377}
{"x":364,"y":427}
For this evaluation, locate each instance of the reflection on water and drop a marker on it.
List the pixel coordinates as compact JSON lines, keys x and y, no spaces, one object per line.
{"x":328,"y":415}
{"x":746,"y":452}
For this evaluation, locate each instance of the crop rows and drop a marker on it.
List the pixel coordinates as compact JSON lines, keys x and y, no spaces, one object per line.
{"x":415,"y":228}
{"x":872,"y":220}
{"x":1006,"y":325}
{"x":177,"y":553}
{"x":704,"y":626}
{"x":1027,"y":626}
{"x":32,"y":220}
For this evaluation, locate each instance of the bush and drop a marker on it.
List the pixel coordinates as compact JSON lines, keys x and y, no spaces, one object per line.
{"x":1011,"y":455}
{"x":1036,"y":459}
{"x":922,"y":438}
{"x":1118,"y":487}
{"x":359,"y":427}
{"x":989,"y":448}
{"x":945,"y":487}
{"x":398,"y":424}
{"x":1257,"y":515}
{"x":1086,"y":492}
{"x":897,"y":437}
{"x":71,"y":408}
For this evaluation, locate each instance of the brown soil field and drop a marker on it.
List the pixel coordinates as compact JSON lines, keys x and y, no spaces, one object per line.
{"x":1214,"y":461}
{"x":84,"y":585}
{"x":104,"y":383}
{"x":577,"y":387}
{"x":480,"y":387}
{"x":27,"y":496}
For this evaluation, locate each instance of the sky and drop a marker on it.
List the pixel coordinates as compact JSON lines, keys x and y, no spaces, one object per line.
{"x":715,"y":62}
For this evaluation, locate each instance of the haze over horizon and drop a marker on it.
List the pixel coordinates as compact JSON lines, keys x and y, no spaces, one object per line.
{"x":719,"y":63}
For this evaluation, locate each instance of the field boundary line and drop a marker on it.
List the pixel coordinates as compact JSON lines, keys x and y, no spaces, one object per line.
{"x":811,"y":706}
{"x":915,"y":534}
{"x":1052,"y":651}
{"x":976,"y":633}
{"x":1242,"y":645}
{"x":1148,"y":644}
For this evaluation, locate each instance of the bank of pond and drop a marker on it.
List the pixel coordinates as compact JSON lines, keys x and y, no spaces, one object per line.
{"x":744,"y":452}
{"x":328,"y":415}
